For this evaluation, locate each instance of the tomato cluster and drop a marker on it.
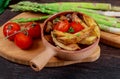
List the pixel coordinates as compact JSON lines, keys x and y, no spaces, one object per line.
{"x":23,"y":38}
{"x":71,"y":27}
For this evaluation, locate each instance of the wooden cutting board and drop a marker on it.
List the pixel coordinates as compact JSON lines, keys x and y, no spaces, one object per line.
{"x":110,"y":39}
{"x":10,"y":51}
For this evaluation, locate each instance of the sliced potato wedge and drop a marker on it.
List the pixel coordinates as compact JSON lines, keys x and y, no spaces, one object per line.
{"x":66,"y":47}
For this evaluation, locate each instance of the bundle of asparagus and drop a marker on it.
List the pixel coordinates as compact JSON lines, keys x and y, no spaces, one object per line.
{"x":109,"y":24}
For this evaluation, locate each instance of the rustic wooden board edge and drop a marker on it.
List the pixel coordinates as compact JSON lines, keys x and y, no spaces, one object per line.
{"x":110,"y":39}
{"x":95,"y":56}
{"x":57,"y":62}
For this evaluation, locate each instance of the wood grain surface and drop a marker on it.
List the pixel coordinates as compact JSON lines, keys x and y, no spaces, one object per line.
{"x":110,"y":39}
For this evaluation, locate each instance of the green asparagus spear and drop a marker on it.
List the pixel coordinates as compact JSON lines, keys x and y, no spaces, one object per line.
{"x":32,"y":4}
{"x":101,"y":6}
{"x":22,"y":20}
{"x":89,"y":5}
{"x":115,"y":8}
{"x":109,"y":29}
{"x":27,"y":8}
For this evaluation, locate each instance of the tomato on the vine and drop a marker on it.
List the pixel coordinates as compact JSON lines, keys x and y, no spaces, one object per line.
{"x":23,"y":41}
{"x":33,"y":29}
{"x":75,"y":27}
{"x":10,"y":29}
{"x":62,"y":26}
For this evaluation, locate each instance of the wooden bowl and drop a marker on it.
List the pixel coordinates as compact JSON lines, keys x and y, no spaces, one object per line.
{"x":41,"y":60}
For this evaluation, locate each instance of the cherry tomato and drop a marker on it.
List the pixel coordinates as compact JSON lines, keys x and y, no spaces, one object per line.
{"x":62,"y":26}
{"x":33,"y":29}
{"x":10,"y":30}
{"x":75,"y":27}
{"x":23,"y":41}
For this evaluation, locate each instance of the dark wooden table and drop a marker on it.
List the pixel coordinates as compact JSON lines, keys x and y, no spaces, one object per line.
{"x":106,"y":67}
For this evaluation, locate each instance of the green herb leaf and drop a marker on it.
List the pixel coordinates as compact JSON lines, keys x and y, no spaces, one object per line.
{"x":78,"y":35}
{"x":71,"y":30}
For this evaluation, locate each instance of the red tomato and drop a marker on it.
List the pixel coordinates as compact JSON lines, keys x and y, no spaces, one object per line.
{"x":76,"y":27}
{"x":62,"y":26}
{"x":33,"y":29}
{"x":23,"y":41}
{"x":10,"y":29}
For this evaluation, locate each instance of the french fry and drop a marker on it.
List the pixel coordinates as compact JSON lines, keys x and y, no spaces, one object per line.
{"x":88,"y":40}
{"x":66,"y":47}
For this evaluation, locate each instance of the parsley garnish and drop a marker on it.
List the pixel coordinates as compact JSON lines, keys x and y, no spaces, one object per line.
{"x":71,"y":30}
